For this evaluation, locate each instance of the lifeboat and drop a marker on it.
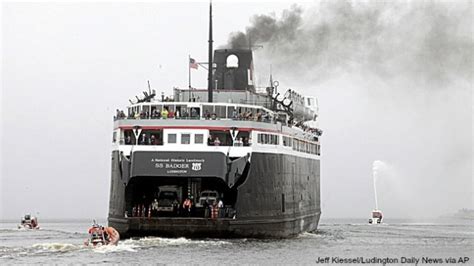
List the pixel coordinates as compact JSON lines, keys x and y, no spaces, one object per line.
{"x":29,"y":222}
{"x":102,"y":236}
{"x":376,"y":217}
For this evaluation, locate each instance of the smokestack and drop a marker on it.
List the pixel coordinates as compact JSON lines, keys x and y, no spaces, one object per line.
{"x":209,"y":74}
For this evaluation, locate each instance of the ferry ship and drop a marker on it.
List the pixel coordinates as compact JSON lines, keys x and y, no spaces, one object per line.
{"x":232,"y":160}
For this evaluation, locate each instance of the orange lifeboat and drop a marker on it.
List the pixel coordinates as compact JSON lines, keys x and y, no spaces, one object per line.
{"x":101,"y":236}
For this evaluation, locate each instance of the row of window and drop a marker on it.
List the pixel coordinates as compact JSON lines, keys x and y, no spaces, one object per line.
{"x":296,"y":144}
{"x":220,"y":139}
{"x":185,"y":138}
{"x":304,"y":146}
{"x":268,"y":139}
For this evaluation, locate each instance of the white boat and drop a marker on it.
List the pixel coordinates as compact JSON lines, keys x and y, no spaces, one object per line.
{"x":377,"y":217}
{"x":29,"y":222}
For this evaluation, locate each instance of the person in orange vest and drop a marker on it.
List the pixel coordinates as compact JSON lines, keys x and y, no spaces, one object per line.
{"x":187,"y":206}
{"x":214,"y":211}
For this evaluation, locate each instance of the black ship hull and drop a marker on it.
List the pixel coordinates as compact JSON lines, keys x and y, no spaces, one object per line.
{"x":276,"y":196}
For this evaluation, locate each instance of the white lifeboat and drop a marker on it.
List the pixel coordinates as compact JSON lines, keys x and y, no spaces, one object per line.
{"x":376,"y":217}
{"x":29,"y":222}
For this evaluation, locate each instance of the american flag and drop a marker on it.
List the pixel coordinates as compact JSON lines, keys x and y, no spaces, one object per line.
{"x":192,"y":63}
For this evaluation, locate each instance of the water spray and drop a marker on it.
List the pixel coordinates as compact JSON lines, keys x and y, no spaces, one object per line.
{"x":376,"y":214}
{"x":375,"y":167}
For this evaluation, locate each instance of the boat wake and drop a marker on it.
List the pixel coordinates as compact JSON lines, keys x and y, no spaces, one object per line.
{"x":313,"y":234}
{"x":121,"y":247}
{"x":133,"y":245}
{"x":161,"y":241}
{"x":56,"y":247}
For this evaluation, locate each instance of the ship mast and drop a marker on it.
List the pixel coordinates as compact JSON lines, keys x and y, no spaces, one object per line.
{"x":209,"y":70}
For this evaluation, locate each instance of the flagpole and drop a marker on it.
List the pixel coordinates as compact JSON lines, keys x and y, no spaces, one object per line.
{"x":189,"y":77}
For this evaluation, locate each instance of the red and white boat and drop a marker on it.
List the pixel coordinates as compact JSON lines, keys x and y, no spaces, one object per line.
{"x":376,"y":217}
{"x":29,"y":222}
{"x":101,"y":236}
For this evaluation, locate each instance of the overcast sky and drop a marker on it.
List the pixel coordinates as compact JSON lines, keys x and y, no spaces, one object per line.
{"x":394,"y":83}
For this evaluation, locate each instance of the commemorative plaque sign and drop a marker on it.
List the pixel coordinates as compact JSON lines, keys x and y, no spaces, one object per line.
{"x":145,"y":163}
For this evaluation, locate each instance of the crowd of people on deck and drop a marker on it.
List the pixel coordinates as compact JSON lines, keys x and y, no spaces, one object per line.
{"x":187,"y":208}
{"x":119,"y":114}
{"x":215,"y":141}
{"x":165,"y":113}
{"x":312,"y":130}
{"x":144,"y":140}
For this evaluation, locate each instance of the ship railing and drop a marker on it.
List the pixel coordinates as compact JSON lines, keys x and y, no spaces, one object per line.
{"x":265,"y":118}
{"x":310,"y":131}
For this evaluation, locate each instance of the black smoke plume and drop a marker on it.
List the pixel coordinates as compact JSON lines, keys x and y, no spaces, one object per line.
{"x":427,"y":41}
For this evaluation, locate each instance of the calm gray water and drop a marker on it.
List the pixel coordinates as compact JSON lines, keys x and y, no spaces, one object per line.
{"x":62,"y":242}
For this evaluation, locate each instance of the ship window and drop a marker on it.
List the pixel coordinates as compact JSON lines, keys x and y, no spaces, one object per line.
{"x":232,"y":61}
{"x":114,"y":137}
{"x":268,"y":139}
{"x":287,"y":141}
{"x":153,"y":137}
{"x":171,"y":138}
{"x":220,"y":111}
{"x":232,"y":112}
{"x":244,"y":137}
{"x":208,"y":110}
{"x":185,"y":138}
{"x":180,"y":109}
{"x":129,"y":137}
{"x":224,"y":137}
{"x":198,"y":139}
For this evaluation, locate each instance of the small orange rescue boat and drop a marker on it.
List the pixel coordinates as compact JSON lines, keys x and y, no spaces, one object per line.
{"x":101,"y":236}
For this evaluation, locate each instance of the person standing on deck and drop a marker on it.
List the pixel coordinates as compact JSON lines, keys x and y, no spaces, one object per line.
{"x":220,"y":206}
{"x":154,"y":207}
{"x":206,"y":209}
{"x":164,"y":113}
{"x":214,"y":211}
{"x":187,"y":207}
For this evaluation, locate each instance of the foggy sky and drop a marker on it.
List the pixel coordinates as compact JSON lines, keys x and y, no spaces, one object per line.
{"x":393,"y":80}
